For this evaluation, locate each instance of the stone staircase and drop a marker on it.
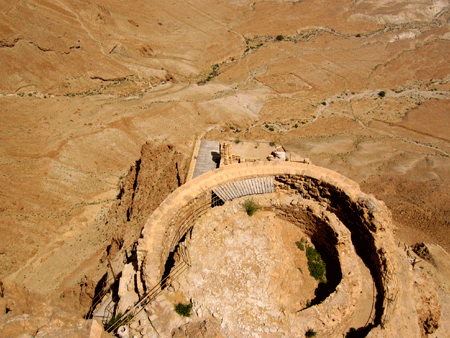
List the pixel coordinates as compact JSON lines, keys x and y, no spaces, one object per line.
{"x":245,"y":187}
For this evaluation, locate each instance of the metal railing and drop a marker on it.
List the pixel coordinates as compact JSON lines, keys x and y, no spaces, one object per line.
{"x":131,"y":313}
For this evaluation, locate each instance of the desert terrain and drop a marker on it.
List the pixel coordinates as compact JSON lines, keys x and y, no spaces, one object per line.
{"x":101,"y":103}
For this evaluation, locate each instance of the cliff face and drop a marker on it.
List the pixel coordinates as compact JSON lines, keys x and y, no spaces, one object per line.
{"x":78,"y":262}
{"x":72,"y":290}
{"x":157,"y":173}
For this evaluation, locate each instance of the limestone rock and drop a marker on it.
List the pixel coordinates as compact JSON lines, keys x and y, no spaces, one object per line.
{"x":126,"y":292}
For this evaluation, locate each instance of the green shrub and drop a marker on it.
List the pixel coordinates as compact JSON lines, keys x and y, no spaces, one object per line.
{"x":358,"y":35}
{"x":237,"y":141}
{"x":300,"y":246}
{"x":114,"y":319}
{"x":250,"y":207}
{"x":280,"y":37}
{"x":310,"y":333}
{"x":382,"y":93}
{"x":183,"y":310}
{"x":296,"y":125}
{"x":272,"y":144}
{"x":324,"y":103}
{"x":316,"y":266}
{"x":112,"y":323}
{"x":271,"y":129}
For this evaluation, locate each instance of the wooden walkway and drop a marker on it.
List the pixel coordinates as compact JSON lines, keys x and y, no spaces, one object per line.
{"x":208,"y":157}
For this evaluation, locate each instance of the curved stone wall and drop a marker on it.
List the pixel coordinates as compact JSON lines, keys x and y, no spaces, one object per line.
{"x":367,"y":219}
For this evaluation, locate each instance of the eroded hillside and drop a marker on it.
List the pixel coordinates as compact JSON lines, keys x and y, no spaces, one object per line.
{"x":360,"y":87}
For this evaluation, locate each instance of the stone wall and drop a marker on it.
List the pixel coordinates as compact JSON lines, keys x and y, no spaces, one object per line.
{"x":367,"y":219}
{"x":332,"y":316}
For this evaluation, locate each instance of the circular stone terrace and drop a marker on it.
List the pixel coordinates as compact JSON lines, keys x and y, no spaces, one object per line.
{"x":343,"y":222}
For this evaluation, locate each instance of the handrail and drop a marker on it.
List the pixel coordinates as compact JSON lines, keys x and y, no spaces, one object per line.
{"x":154,"y":292}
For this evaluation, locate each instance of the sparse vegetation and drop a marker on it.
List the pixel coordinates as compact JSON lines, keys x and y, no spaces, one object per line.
{"x":296,"y":125}
{"x":183,"y":309}
{"x":382,"y":93}
{"x":358,"y":35}
{"x":272,"y":144}
{"x":237,"y":141}
{"x":324,"y":103}
{"x":214,"y":72}
{"x":316,"y":266}
{"x":271,"y":129}
{"x":115,"y":319}
{"x":300,"y":245}
{"x":250,"y":207}
{"x":310,"y":333}
{"x":280,"y":38}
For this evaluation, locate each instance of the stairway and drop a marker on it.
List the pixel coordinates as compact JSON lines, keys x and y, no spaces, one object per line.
{"x":249,"y":186}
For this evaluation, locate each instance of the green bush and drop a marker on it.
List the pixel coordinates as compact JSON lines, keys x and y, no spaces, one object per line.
{"x":310,"y":333}
{"x":112,"y":323}
{"x":382,"y":93}
{"x":250,"y":207}
{"x":237,"y":141}
{"x":280,"y":37}
{"x":272,"y":144}
{"x":183,"y":310}
{"x":316,"y":266}
{"x":271,"y":128}
{"x":114,"y":319}
{"x":300,"y":246}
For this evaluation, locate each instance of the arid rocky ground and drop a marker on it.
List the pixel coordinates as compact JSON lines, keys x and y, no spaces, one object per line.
{"x":360,"y":87}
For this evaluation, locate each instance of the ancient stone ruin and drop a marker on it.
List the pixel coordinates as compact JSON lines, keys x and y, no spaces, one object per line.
{"x":352,"y":231}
